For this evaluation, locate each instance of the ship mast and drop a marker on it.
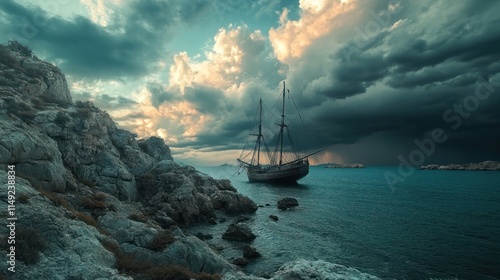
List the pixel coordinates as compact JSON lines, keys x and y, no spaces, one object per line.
{"x":260,"y":132}
{"x":282,"y":125}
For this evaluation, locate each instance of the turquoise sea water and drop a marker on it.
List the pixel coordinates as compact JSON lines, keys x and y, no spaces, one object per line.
{"x":434,"y":225}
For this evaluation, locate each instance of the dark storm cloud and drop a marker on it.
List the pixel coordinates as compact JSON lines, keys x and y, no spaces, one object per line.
{"x":133,"y":39}
{"x":207,"y":100}
{"x":401,"y":81}
{"x":160,"y":95}
{"x":105,"y":100}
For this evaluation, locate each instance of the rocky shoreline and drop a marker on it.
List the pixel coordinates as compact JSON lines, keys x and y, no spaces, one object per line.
{"x":482,"y":166}
{"x":94,"y":202}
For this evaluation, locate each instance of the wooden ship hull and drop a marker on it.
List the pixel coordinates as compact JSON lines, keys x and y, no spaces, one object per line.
{"x":287,"y":173}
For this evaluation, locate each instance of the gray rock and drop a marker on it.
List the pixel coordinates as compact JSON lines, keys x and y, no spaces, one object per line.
{"x":238,"y":232}
{"x":287,"y":202}
{"x":187,"y":251}
{"x":250,"y":252}
{"x":187,"y":195}
{"x":156,"y":148}
{"x":124,"y":230}
{"x":482,"y":166}
{"x":47,"y":81}
{"x":34,"y":154}
{"x":318,"y":270}
{"x":136,"y":160}
{"x":71,"y":247}
{"x":241,"y":262}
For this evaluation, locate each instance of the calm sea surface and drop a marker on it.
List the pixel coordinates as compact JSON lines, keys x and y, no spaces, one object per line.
{"x":434,"y":225}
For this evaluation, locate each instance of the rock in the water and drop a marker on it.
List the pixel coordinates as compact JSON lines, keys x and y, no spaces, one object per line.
{"x":250,"y":252}
{"x":274,"y":217}
{"x":482,"y":166}
{"x":287,"y":202}
{"x":241,"y":262}
{"x":238,"y":232}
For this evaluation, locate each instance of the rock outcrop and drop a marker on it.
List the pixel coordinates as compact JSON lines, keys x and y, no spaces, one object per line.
{"x":95,"y":202}
{"x":307,"y":270}
{"x":482,"y":166}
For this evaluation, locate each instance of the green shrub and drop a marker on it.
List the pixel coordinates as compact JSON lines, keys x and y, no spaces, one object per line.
{"x":20,"y":48}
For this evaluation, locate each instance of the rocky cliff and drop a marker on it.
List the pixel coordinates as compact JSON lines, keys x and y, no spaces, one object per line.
{"x":92,"y":200}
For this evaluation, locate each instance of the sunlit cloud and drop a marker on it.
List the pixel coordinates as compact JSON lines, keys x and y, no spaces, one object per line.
{"x":318,"y":18}
{"x":233,"y":58}
{"x":101,"y":11}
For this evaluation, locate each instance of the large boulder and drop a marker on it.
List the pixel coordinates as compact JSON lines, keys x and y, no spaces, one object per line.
{"x":238,"y":232}
{"x":33,"y":77}
{"x":34,"y":155}
{"x":136,"y":160}
{"x":186,"y":251}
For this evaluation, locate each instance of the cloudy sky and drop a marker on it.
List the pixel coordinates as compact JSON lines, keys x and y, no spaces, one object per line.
{"x":372,"y":78}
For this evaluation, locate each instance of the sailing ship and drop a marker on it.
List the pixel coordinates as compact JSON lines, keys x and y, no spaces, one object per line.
{"x":283,"y":165}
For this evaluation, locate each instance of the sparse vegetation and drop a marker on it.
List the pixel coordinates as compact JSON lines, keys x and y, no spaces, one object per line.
{"x":22,"y":110}
{"x":88,"y":183}
{"x":161,"y":240}
{"x":96,"y":204}
{"x":129,"y":264}
{"x":140,"y":217}
{"x":20,"y":48}
{"x":91,"y":204}
{"x":24,"y":198}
